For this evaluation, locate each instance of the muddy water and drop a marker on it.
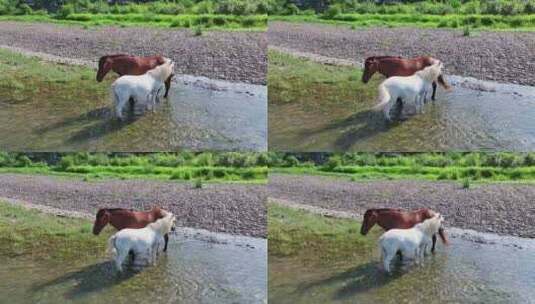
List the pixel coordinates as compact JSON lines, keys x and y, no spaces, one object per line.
{"x":477,"y":114}
{"x":200,"y":267}
{"x":200,"y":114}
{"x":475,"y":268}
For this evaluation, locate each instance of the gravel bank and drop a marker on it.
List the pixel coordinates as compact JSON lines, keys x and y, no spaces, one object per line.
{"x":232,"y":208}
{"x":233,"y":56}
{"x":500,"y":56}
{"x":499,"y":208}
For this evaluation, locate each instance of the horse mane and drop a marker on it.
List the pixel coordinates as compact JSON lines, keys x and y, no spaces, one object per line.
{"x":105,"y":57}
{"x":430,"y":73}
{"x":164,"y":70}
{"x":382,"y":57}
{"x":430,"y":225}
{"x":386,"y":209}
{"x":162,"y":225}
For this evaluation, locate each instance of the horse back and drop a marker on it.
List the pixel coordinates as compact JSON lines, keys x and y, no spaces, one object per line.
{"x":134,"y":65}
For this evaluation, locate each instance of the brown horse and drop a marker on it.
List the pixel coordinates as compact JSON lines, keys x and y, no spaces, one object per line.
{"x":397,"y":66}
{"x":127,"y":218}
{"x":123,"y":64}
{"x":390,"y":218}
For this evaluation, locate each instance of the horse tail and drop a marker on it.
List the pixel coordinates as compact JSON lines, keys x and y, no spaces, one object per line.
{"x":442,"y":235}
{"x":384,"y":97}
{"x":112,"y":250}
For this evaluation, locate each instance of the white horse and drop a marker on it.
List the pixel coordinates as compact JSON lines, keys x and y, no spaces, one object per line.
{"x":413,"y":242}
{"x":144,"y":243}
{"x":411,"y":89}
{"x":146,"y":89}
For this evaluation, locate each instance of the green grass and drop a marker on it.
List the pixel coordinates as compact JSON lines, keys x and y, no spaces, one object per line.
{"x":28,"y":78}
{"x":206,"y":21}
{"x":30,"y":232}
{"x":293,"y":80}
{"x":246,"y":167}
{"x":458,"y":166}
{"x":475,"y":21}
{"x":294,"y":232}
{"x":452,"y":173}
{"x":183,"y":173}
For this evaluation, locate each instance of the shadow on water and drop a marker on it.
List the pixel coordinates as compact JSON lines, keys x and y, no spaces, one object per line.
{"x":90,"y":279}
{"x":103,"y":124}
{"x":356,"y":280}
{"x":359,"y":126}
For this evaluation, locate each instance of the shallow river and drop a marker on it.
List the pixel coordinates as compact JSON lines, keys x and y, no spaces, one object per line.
{"x":199,"y":267}
{"x":200,"y":114}
{"x":474,"y":268}
{"x":475,"y":115}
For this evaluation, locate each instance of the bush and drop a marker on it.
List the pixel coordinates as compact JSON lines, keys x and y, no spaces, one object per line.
{"x":65,"y":10}
{"x":292,"y":9}
{"x":333,"y":11}
{"x":466,"y":31}
{"x":24,"y":9}
{"x":466,"y":183}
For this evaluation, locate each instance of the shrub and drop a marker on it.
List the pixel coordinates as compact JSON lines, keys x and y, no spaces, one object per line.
{"x":466,"y":31}
{"x":65,"y":10}
{"x":333,"y":11}
{"x":197,"y":31}
{"x":292,"y":9}
{"x":466,"y":183}
{"x":24,"y":9}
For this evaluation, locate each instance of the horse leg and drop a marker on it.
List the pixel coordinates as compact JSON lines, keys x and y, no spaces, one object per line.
{"x":167,"y":85}
{"x":387,"y":258}
{"x":166,"y":239}
{"x":119,"y":104}
{"x":434,"y":238}
{"x":119,"y":260}
{"x":387,"y":109}
{"x":434,"y":84}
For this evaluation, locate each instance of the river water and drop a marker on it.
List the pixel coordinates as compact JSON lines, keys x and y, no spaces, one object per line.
{"x":474,"y":268}
{"x":475,"y":115}
{"x":199,"y":267}
{"x":200,"y":114}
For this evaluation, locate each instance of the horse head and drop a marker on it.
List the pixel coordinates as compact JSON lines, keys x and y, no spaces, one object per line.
{"x":371,"y":65}
{"x":432,"y":225}
{"x":104,"y":66}
{"x":102,"y":219}
{"x":370,"y":218}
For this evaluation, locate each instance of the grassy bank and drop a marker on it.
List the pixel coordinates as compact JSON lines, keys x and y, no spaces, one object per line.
{"x":29,"y":78}
{"x":33,"y":233}
{"x":481,"y":167}
{"x":294,"y":232}
{"x":203,"y":22}
{"x":296,"y":80}
{"x":473,"y":22}
{"x":213,"y":167}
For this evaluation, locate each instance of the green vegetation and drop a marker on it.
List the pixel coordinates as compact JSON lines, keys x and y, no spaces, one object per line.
{"x":30,"y":232}
{"x":462,"y":167}
{"x":485,"y":14}
{"x":214,"y":167}
{"x":482,"y":22}
{"x":28,"y":78}
{"x":293,"y":232}
{"x":293,"y":80}
{"x":225,"y":14}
